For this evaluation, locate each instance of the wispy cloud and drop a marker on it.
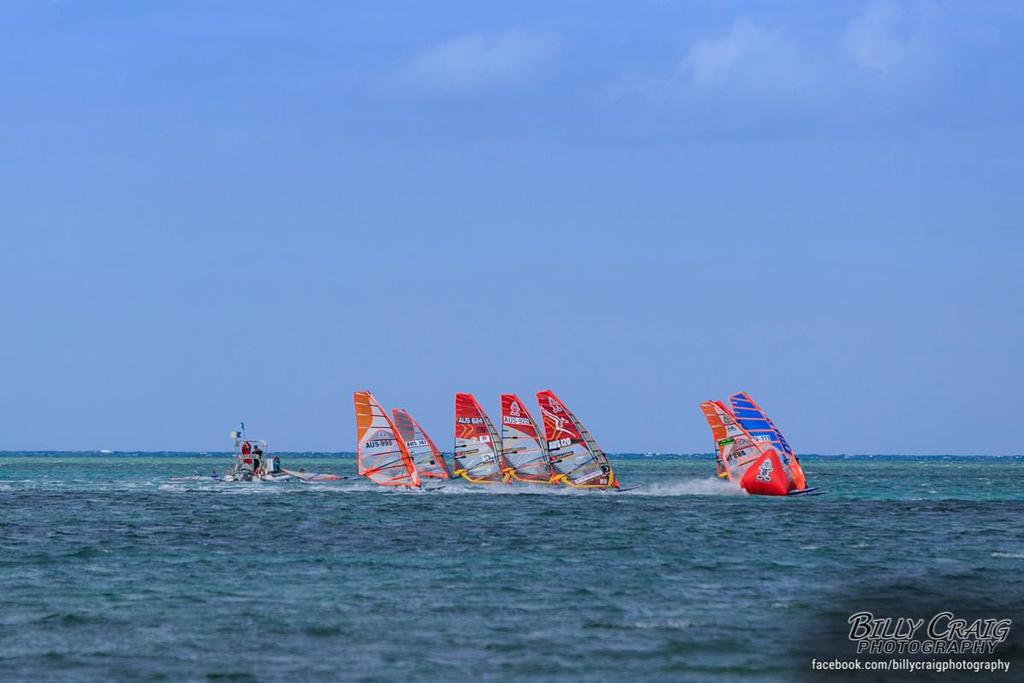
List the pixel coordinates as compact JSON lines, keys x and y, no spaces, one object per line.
{"x":478,"y":61}
{"x":753,"y":69}
{"x":748,"y":58}
{"x":884,"y":40}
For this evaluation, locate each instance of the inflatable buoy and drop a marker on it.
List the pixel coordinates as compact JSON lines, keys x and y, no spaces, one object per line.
{"x":766,"y":477}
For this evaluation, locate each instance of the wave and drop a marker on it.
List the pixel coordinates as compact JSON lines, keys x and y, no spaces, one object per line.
{"x":685,"y":487}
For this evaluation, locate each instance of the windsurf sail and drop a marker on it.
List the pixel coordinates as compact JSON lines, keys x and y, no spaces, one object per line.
{"x":737,"y":450}
{"x":425,"y":455}
{"x":761,"y":427}
{"x":575,"y":457}
{"x":718,"y":432}
{"x":523,"y":448}
{"x":477,"y":444}
{"x":382,"y":455}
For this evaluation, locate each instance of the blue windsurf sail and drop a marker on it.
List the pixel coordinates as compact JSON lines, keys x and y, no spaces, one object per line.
{"x":761,"y":428}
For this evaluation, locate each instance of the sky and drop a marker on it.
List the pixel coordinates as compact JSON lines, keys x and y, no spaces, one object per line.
{"x":223,"y":211}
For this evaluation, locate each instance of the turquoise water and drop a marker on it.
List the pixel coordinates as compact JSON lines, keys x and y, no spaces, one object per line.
{"x":113,"y":571}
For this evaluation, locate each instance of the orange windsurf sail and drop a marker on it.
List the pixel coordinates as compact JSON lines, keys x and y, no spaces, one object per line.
{"x":425,"y":455}
{"x":382,"y":455}
{"x":735,"y":449}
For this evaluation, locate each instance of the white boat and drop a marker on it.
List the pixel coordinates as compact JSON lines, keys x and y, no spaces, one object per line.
{"x":255,"y":462}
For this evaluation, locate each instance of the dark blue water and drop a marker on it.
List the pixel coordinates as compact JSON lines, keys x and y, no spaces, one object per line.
{"x":111,"y":571}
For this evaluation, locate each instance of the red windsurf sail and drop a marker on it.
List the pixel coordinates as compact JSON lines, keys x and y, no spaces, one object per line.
{"x":523,"y":448}
{"x":574,"y":455}
{"x":477,"y":445}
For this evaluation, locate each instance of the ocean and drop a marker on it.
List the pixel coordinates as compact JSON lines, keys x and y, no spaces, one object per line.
{"x":112,"y":570}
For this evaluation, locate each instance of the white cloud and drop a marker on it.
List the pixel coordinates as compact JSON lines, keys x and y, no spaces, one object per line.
{"x":747,"y":60}
{"x":749,"y":56}
{"x":478,"y":61}
{"x":882,"y":40}
{"x":752,"y":71}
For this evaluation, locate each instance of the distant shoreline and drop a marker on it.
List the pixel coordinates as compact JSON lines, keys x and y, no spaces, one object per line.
{"x":614,"y":456}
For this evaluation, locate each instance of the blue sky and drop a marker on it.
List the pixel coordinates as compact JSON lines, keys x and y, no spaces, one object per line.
{"x":246,"y":210}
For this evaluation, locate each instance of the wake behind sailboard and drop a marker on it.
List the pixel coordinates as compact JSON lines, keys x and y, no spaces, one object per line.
{"x":313,"y":477}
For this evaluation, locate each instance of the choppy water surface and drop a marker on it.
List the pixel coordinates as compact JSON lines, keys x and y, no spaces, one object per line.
{"x":112,"y":571}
